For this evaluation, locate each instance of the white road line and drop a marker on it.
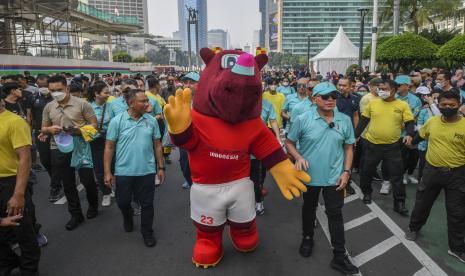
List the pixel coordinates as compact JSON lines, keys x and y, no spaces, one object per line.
{"x":321,"y":216}
{"x":359,"y":221}
{"x":376,"y":250}
{"x":351,"y":198}
{"x":416,"y":251}
{"x":423,"y":272}
{"x":63,"y":200}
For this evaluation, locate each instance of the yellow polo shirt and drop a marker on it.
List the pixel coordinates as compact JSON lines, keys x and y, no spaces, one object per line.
{"x":277,"y":101}
{"x":446,"y":142}
{"x":157,"y":98}
{"x":14,"y":133}
{"x":386,"y":120}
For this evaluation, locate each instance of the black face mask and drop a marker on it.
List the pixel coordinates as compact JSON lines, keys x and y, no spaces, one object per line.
{"x":449,"y":112}
{"x":170,"y":83}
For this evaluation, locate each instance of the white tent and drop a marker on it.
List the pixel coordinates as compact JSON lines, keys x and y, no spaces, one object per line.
{"x":337,"y":56}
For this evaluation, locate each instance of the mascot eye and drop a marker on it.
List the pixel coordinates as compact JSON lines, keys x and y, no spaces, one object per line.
{"x":228,"y":61}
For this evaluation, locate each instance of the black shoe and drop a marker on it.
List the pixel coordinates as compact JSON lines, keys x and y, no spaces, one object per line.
{"x":399,"y":207}
{"x":411,"y":235}
{"x":306,"y":247}
{"x":55,"y":194}
{"x":367,"y":199}
{"x":350,"y":190}
{"x":128,"y":225}
{"x":150,"y":241}
{"x":74,"y":222}
{"x":37,"y":168}
{"x":459,"y":255}
{"x":92,"y":213}
{"x":343,"y":264}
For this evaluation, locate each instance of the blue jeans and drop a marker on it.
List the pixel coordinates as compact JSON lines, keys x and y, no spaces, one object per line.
{"x":142,"y":189}
{"x":184,"y":163}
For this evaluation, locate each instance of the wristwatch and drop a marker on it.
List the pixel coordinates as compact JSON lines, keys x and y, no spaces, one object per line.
{"x":348,"y":171}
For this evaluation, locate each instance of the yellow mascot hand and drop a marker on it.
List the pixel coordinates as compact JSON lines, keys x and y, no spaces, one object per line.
{"x":289,"y":179}
{"x":178,"y":111}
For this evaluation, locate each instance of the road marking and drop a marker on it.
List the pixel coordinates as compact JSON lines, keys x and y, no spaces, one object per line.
{"x":351,"y":198}
{"x":423,"y":272}
{"x":376,"y":250}
{"x":321,"y":216}
{"x":359,"y":221}
{"x":416,"y":251}
{"x":63,"y":200}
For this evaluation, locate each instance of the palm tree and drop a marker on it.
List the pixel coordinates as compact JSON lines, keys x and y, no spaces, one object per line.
{"x":416,"y":13}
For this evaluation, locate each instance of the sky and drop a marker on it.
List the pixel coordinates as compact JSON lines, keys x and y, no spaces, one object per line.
{"x":240,"y":17}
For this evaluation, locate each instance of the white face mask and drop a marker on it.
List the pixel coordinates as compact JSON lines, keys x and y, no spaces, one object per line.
{"x":44,"y":91}
{"x":384,"y":94}
{"x":163,"y":83}
{"x":58,"y":96}
{"x":285,"y":84}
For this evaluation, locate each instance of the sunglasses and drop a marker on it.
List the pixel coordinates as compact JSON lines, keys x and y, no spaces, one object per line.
{"x":327,"y":96}
{"x":301,"y":85}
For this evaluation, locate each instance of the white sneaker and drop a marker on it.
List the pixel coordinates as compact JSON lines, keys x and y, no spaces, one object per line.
{"x":412,"y":179}
{"x":106,"y":200}
{"x":405,"y":179}
{"x":259,"y":208}
{"x":112,"y":193}
{"x":385,"y":188}
{"x":157,"y":181}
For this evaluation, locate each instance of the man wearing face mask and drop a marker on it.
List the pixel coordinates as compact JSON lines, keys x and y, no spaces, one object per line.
{"x":386,"y":118}
{"x":67,"y":114}
{"x":276,"y":99}
{"x":443,"y":81}
{"x":307,"y":103}
{"x":293,"y":99}
{"x":43,"y":143}
{"x":445,"y":169}
{"x":285,"y":88}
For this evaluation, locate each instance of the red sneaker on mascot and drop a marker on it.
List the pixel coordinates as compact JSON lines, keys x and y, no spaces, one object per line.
{"x":219,"y":133}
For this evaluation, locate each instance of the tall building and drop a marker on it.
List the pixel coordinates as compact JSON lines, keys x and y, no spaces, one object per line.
{"x":321,"y":20}
{"x":183,"y":15}
{"x":218,"y":38}
{"x":270,"y":22}
{"x":136,"y":8}
{"x":454,"y":22}
{"x":170,"y":43}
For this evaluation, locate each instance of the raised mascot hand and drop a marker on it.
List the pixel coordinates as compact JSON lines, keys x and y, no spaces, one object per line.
{"x":289,"y":179}
{"x":178,"y":111}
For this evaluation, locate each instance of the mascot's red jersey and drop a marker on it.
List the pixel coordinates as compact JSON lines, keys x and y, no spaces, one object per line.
{"x":226,"y":126}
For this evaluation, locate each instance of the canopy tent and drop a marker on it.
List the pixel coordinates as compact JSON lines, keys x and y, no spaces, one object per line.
{"x":337,"y":56}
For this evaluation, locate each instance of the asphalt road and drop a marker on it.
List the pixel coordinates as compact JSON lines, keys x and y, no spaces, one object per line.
{"x":101,"y":247}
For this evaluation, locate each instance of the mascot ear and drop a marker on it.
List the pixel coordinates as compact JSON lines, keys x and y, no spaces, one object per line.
{"x":261,"y":60}
{"x":207,"y":54}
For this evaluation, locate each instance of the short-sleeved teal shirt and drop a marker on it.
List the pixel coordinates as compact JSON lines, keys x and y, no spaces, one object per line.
{"x":321,"y":145}
{"x":268,"y":112}
{"x":134,"y":144}
{"x":119,"y":105}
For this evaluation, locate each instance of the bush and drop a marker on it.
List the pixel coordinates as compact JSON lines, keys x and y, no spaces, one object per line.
{"x":367,"y":50}
{"x":454,"y":50}
{"x":404,"y":51}
{"x":122,"y":57}
{"x":140,"y":60}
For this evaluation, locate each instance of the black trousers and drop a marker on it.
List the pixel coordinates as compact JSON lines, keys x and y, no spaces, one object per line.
{"x":453,"y":182}
{"x":334,"y":201}
{"x":24,"y":234}
{"x":257,"y":175}
{"x":98,"y":148}
{"x":61,"y":163}
{"x":142,"y":189}
{"x":358,"y":154}
{"x":390,"y":155}
{"x":184,"y":163}
{"x":410,"y":159}
{"x":46,"y":160}
{"x":421,"y":163}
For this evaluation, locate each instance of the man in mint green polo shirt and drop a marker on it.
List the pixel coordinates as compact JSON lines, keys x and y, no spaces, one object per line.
{"x":306,"y":104}
{"x":136,"y":137}
{"x":295,"y":98}
{"x":326,"y":138}
{"x":410,"y":155}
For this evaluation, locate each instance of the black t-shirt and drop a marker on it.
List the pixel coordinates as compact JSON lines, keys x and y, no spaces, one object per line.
{"x":27,"y":99}
{"x":37,"y":108}
{"x":348,"y":105}
{"x":17,"y":108}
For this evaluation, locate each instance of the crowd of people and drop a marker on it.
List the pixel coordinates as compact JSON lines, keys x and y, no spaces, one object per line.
{"x":110,"y":129}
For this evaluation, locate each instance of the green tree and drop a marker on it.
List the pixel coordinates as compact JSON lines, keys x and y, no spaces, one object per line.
{"x":140,"y":60}
{"x":416,"y":13}
{"x":439,"y":38}
{"x":99,"y":54}
{"x":367,"y":50}
{"x":87,"y":49}
{"x":404,"y":51}
{"x":453,"y":51}
{"x":122,"y":57}
{"x":162,"y":56}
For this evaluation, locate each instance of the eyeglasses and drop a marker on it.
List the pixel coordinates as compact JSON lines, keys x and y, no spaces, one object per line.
{"x":301,"y":85}
{"x":327,"y":96}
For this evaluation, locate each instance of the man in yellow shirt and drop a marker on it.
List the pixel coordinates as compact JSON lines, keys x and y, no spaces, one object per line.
{"x":386,"y":116}
{"x":445,"y":169}
{"x":15,"y":165}
{"x":276,"y":99}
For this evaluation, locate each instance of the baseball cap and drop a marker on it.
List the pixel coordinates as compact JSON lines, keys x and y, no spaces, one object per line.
{"x":192,"y":75}
{"x":403,"y":79}
{"x":324,"y":88}
{"x":64,"y":142}
{"x":426,"y":70}
{"x":423,"y":90}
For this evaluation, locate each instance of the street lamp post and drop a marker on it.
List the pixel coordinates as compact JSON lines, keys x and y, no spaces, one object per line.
{"x":363,"y":13}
